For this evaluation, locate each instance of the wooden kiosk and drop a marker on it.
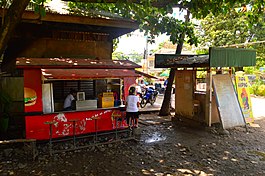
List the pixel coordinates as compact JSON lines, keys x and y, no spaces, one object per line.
{"x":52,"y":54}
{"x":217,"y":103}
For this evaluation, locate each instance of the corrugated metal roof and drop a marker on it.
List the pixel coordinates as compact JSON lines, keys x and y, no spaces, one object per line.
{"x":232,"y":57}
{"x":180,"y":61}
{"x":74,"y":63}
{"x":77,"y":74}
{"x":219,"y":57}
{"x":113,"y":26}
{"x":145,"y":74}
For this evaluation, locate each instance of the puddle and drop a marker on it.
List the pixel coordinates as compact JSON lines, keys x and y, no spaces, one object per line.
{"x":258,"y":153}
{"x":156,"y":137}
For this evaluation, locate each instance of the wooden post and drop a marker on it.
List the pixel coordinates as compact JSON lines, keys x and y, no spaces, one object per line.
{"x":208,"y":98}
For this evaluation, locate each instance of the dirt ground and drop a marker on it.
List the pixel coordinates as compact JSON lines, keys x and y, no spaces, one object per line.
{"x":163,"y":148}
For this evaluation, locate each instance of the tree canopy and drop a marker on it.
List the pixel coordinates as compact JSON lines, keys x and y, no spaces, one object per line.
{"x":236,"y":30}
{"x":151,"y":14}
{"x":153,"y":21}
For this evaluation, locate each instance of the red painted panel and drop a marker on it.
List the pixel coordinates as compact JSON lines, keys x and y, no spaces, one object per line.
{"x":128,"y":82}
{"x":32,"y":81}
{"x":37,"y":129}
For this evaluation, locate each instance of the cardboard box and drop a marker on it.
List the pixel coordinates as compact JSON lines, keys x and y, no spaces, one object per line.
{"x":107,"y":100}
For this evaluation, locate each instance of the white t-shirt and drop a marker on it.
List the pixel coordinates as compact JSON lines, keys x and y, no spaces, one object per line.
{"x":68,"y":101}
{"x":132,"y":101}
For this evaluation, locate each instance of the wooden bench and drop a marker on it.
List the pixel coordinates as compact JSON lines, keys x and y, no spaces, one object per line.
{"x":29,"y":143}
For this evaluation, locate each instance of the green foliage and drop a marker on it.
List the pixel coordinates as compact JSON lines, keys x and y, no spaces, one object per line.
{"x":5,"y":104}
{"x":118,"y":56}
{"x":201,"y":8}
{"x":39,"y":6}
{"x":225,"y":29}
{"x":258,"y":88}
{"x":249,"y":70}
{"x":201,"y":74}
{"x":153,"y":21}
{"x":236,"y":29}
{"x":202,"y":51}
{"x":134,"y":57}
{"x":261,"y":90}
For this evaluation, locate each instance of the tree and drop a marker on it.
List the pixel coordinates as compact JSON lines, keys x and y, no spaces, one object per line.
{"x":153,"y":21}
{"x":236,"y":30}
{"x":10,"y":22}
{"x":165,"y":108}
{"x":13,"y":18}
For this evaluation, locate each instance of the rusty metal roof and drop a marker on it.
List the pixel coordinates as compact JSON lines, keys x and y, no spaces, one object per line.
{"x":113,"y":26}
{"x":78,"y":74}
{"x":145,"y":74}
{"x":75,"y":63}
{"x":181,"y":61}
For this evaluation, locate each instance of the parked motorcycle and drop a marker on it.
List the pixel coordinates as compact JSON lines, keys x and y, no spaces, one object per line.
{"x":148,"y":96}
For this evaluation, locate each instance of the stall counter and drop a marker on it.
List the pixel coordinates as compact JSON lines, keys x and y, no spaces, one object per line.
{"x":87,"y":121}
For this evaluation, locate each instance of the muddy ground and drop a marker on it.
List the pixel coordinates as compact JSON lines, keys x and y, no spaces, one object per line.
{"x":163,"y":148}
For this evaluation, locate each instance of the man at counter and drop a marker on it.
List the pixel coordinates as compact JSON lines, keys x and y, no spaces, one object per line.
{"x":67,"y":106}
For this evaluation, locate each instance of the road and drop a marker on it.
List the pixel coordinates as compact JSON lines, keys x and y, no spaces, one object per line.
{"x":258,"y":105}
{"x":157,"y":105}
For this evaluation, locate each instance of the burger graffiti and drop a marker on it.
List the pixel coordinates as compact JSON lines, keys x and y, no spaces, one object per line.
{"x":30,"y":96}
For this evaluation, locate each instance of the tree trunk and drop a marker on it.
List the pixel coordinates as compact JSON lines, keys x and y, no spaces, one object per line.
{"x":165,"y":108}
{"x":12,"y":18}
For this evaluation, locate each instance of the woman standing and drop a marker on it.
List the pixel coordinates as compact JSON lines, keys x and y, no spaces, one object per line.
{"x":132,"y":108}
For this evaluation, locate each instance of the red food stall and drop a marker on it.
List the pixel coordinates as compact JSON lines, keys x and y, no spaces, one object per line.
{"x":48,"y":81}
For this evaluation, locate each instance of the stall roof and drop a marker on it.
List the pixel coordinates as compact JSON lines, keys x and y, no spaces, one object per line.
{"x":98,"y":23}
{"x":145,"y":74}
{"x":78,"y":74}
{"x":219,"y":57}
{"x":75,"y":63}
{"x":178,"y":60}
{"x":232,"y":57}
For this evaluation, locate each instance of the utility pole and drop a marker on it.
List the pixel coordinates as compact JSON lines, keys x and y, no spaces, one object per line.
{"x":146,"y":55}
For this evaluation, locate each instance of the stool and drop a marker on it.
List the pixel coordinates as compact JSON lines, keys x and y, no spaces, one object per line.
{"x":96,"y":128}
{"x":116,"y":117}
{"x":50,"y":123}
{"x":74,"y":125}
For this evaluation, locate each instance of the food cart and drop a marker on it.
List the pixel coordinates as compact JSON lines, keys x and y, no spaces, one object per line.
{"x":99,"y":85}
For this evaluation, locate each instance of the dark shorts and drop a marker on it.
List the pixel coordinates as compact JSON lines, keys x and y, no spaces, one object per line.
{"x":133,"y":115}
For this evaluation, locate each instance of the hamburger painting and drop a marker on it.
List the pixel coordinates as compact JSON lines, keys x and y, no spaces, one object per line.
{"x":30,"y":96}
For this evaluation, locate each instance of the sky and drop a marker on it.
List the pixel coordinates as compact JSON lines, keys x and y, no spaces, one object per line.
{"x":137,"y":43}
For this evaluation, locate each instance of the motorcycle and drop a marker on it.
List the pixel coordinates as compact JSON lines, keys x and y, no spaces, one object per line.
{"x":148,"y":96}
